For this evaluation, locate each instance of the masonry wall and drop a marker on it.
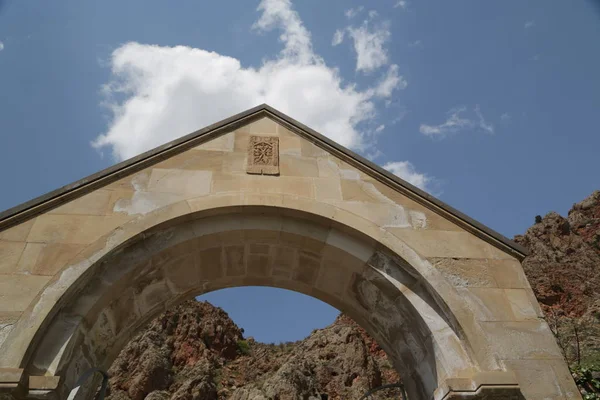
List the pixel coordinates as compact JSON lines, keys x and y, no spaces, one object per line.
{"x":495,"y":304}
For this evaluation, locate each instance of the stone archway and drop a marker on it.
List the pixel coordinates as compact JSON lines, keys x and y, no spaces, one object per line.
{"x":260,"y":199}
{"x":263,"y":247}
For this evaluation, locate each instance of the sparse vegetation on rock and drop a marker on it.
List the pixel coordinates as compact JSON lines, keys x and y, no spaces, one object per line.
{"x":564,"y":271}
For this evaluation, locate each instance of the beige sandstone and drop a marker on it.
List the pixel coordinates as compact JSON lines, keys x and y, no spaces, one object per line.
{"x":445,"y":297}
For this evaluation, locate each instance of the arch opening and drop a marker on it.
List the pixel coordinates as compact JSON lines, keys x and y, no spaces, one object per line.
{"x":255,"y":246}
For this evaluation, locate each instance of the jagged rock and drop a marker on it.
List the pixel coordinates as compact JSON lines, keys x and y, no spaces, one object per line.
{"x":193,"y":352}
{"x":564,"y":271}
{"x":248,"y":394}
{"x":158,"y":395}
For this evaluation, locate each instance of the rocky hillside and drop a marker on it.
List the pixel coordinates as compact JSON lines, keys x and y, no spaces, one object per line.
{"x":195,"y":352}
{"x":564,"y":271}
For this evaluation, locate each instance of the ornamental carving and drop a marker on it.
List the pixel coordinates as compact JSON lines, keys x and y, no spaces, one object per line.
{"x":263,"y":155}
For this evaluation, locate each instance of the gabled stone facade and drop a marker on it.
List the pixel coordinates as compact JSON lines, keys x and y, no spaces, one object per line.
{"x":260,"y":199}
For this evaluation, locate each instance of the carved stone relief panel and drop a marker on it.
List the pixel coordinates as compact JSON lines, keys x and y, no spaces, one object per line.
{"x":263,"y":155}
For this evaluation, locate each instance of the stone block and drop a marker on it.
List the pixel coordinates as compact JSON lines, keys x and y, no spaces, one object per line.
{"x":152,"y":294}
{"x":537,"y":379}
{"x":356,"y":190}
{"x":464,"y":272}
{"x":443,"y":243}
{"x":524,"y":305}
{"x":333,"y":279}
{"x":359,"y":248}
{"x":521,"y":339}
{"x":167,"y":216}
{"x":301,"y":242}
{"x":290,"y":143}
{"x":305,"y":228}
{"x":74,"y":229}
{"x":195,"y":159}
{"x":284,"y":261}
{"x":262,"y":125}
{"x":313,"y":208}
{"x":241,"y":141}
{"x":143,"y":202}
{"x":291,"y":284}
{"x":43,"y":382}
{"x":327,"y":189}
{"x":257,"y":281}
{"x":215,"y":202}
{"x":182,"y":273}
{"x":10,"y":253}
{"x":435,"y":221}
{"x":11,"y":375}
{"x":292,"y":165}
{"x":307,"y":149}
{"x":7,"y":322}
{"x":191,"y":183}
{"x":137,"y":181}
{"x":488,"y":304}
{"x":222,"y":143}
{"x":17,"y":233}
{"x":17,"y":291}
{"x":123,"y":312}
{"x":335,"y":256}
{"x":233,"y":163}
{"x":94,"y":203}
{"x":260,"y":236}
{"x":328,"y":168}
{"x":508,"y":274}
{"x":297,"y":186}
{"x":307,"y":269}
{"x":329,"y":298}
{"x":211,"y":264}
{"x":235,"y":260}
{"x":389,"y":216}
{"x":259,"y":248}
{"x":47,"y":258}
{"x":259,"y":265}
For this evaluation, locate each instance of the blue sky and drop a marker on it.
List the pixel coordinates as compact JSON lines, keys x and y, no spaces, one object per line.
{"x":492,"y":106}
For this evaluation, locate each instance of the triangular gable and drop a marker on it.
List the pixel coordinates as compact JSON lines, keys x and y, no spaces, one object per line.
{"x":203,"y":137}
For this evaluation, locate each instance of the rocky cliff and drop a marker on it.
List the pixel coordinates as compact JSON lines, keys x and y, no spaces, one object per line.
{"x":564,"y":271}
{"x":195,"y":351}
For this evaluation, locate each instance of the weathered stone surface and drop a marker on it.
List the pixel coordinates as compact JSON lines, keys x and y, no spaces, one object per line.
{"x":17,"y":291}
{"x":10,"y":254}
{"x":193,"y":220}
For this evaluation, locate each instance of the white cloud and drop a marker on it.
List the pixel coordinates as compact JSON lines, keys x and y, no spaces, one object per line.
{"x":338,"y":37}
{"x":369,"y":44}
{"x":403,"y":4}
{"x":380,"y":128}
{"x":529,"y":24}
{"x":505,"y":117}
{"x":390,"y":82}
{"x":159,"y":93}
{"x":353,"y":12}
{"x":1,"y":46}
{"x":407,"y":171}
{"x":416,"y":43}
{"x":455,"y":122}
{"x":489,"y":128}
